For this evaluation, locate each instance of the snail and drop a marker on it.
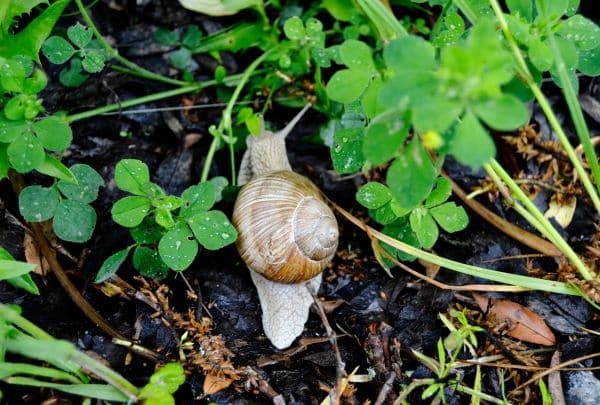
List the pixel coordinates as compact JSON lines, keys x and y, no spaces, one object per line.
{"x":287,"y":234}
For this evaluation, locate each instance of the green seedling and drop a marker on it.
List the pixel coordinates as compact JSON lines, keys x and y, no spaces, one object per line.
{"x":66,"y":203}
{"x":85,"y":54}
{"x":166,"y":229}
{"x":180,"y":58}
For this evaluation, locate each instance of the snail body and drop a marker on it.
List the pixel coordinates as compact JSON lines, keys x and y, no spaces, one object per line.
{"x":287,"y":234}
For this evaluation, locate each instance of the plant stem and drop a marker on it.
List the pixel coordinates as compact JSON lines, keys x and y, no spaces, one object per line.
{"x":542,"y":221}
{"x":226,"y":121}
{"x":115,"y":54}
{"x":9,"y":314}
{"x":136,"y":101}
{"x":545,"y":105}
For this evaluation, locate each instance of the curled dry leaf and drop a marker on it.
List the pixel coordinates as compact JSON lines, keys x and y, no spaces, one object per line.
{"x":523,"y":323}
{"x":33,"y":256}
{"x":562,"y":211}
{"x":214,"y":384}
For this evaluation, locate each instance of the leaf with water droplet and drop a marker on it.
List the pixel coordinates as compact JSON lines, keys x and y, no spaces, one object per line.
{"x":148,"y":262}
{"x":37,"y":203}
{"x":212,"y":229}
{"x":74,"y":221}
{"x":178,"y":248}
{"x":373,"y":195}
{"x":197,"y":199}
{"x":132,"y":175}
{"x":584,"y":33}
{"x":130,"y":211}
{"x":88,"y":184}
{"x":111,"y":265}
{"x":346,"y":153}
{"x":26,"y":153}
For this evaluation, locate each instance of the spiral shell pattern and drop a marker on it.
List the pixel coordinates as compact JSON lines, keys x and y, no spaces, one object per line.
{"x":286,"y":231}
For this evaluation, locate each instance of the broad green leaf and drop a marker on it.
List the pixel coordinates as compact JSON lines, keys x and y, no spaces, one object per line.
{"x":212,"y":229}
{"x":441,"y":192}
{"x":424,"y":226}
{"x":12,"y":268}
{"x":572,"y":8}
{"x":166,"y":37}
{"x":164,"y":218}
{"x":169,"y":377}
{"x":343,"y":10}
{"x":11,"y":130}
{"x":130,"y":211}
{"x":451,"y":217}
{"x":468,"y":134}
{"x":181,"y":58}
{"x":11,"y":9}
{"x":111,"y":265}
{"x":357,"y":55}
{"x":4,"y":164}
{"x":74,"y":221}
{"x":12,"y":76}
{"x":409,"y":54}
{"x":197,"y":199}
{"x":132,"y":175}
{"x":503,"y":113}
{"x":436,"y":114}
{"x":373,"y":195}
{"x":178,"y":247}
{"x":552,"y":10}
{"x":30,"y":39}
{"x":73,"y":76}
{"x":147,"y":232}
{"x":384,"y":215}
{"x":37,"y":203}
{"x":584,"y":33}
{"x":58,"y":50}
{"x":411,"y":87}
{"x":25,"y":282}
{"x":347,"y":85}
{"x":88,"y":184}
{"x":401,"y":230}
{"x":371,"y":104}
{"x":540,"y":55}
{"x":589,"y":62}
{"x":148,"y":262}
{"x":385,"y":135}
{"x":293,"y":28}
{"x":192,"y":37}
{"x":54,"y":133}
{"x":570,"y":58}
{"x":54,"y":168}
{"x":411,"y":176}
{"x":93,"y":61}
{"x":80,"y":35}
{"x":36,"y":83}
{"x":522,"y":7}
{"x":26,"y":153}
{"x":346,"y":153}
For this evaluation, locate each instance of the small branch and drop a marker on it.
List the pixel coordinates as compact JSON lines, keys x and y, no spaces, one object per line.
{"x":385,"y":389}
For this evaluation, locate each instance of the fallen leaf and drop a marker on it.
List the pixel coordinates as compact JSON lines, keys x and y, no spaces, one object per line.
{"x":33,"y":256}
{"x":523,"y":323}
{"x":561,"y":211}
{"x":214,"y":384}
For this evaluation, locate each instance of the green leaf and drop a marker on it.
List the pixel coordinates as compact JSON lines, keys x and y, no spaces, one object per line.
{"x":37,"y":203}
{"x":93,"y":61}
{"x":401,"y":230}
{"x":25,"y":282}
{"x":149,"y":264}
{"x":36,"y":83}
{"x":470,"y":133}
{"x":111,"y":265}
{"x":178,"y":248}
{"x":80,"y":35}
{"x":411,"y":176}
{"x":164,"y":218}
{"x":294,"y":29}
{"x":424,"y":226}
{"x":12,"y":76}
{"x":197,"y":199}
{"x":58,"y":50}
{"x":26,"y":153}
{"x":409,"y":54}
{"x":11,"y":9}
{"x":524,"y":8}
{"x":73,"y":75}
{"x":552,"y":9}
{"x":503,"y":113}
{"x":451,"y":217}
{"x":568,"y":53}
{"x":357,"y":55}
{"x":192,"y":37}
{"x":132,"y":175}
{"x":181,"y":58}
{"x":346,"y":153}
{"x":371,"y":104}
{"x":29,"y":40}
{"x":4,"y":164}
{"x":54,"y":133}
{"x":166,"y":37}
{"x":441,"y":192}
{"x":373,"y":195}
{"x":436,"y":114}
{"x":589,"y":62}
{"x":88,"y":184}
{"x":169,"y":377}
{"x":54,"y":168}
{"x":11,"y":130}
{"x":98,"y":391}
{"x":130,"y":211}
{"x":147,"y":232}
{"x":12,"y":268}
{"x":74,"y":221}
{"x":584,"y":33}
{"x":540,"y":55}
{"x":347,"y":85}
{"x":384,"y":215}
{"x":212,"y":229}
{"x":385,"y":135}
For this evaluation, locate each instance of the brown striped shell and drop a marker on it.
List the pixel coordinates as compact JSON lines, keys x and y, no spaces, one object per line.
{"x":286,"y":231}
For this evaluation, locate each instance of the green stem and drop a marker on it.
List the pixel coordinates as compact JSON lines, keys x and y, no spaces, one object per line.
{"x":115,"y":54}
{"x":9,"y":314}
{"x":575,"y":110}
{"x":107,"y":374}
{"x":545,"y":105}
{"x":226,"y":121}
{"x":554,"y":236}
{"x":136,"y":101}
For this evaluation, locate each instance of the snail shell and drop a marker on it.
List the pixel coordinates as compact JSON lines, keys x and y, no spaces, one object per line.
{"x":286,"y":231}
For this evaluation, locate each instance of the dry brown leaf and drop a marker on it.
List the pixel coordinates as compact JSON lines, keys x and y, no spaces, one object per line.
{"x":33,"y":256}
{"x":523,"y":323}
{"x":562,"y":211}
{"x":214,"y":384}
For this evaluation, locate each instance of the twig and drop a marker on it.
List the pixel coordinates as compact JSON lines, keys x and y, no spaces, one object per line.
{"x":385,"y":389}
